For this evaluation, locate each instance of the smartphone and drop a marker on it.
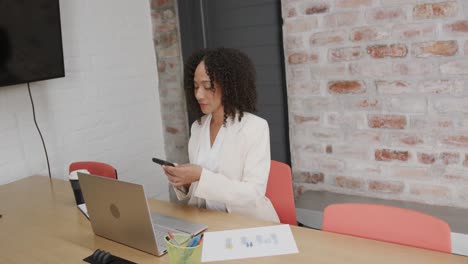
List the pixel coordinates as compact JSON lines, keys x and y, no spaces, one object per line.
{"x":163,"y":162}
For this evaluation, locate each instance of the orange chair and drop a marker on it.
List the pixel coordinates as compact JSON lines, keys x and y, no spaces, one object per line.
{"x":280,"y":192}
{"x":389,"y":224}
{"x":94,"y":167}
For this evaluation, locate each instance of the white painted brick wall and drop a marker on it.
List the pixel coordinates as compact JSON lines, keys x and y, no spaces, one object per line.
{"x":107,"y":107}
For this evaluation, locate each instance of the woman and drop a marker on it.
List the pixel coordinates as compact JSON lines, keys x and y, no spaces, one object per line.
{"x":229,"y":148}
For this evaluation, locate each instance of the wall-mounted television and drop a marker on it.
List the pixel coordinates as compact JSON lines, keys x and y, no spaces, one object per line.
{"x":30,"y":41}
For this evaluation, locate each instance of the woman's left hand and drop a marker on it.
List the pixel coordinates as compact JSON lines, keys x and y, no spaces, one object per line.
{"x":183,"y":174}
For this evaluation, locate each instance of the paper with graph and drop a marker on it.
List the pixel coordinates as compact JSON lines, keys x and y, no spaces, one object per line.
{"x":248,"y":243}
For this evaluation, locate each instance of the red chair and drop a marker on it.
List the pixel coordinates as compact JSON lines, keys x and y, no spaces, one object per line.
{"x":280,"y":192}
{"x":389,"y":224}
{"x":94,"y":167}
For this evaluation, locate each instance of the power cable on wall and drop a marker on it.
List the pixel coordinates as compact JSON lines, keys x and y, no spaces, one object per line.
{"x":202,"y":15}
{"x":38,"y":130}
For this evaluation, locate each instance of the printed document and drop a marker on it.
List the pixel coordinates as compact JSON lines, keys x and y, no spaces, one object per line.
{"x":248,"y":243}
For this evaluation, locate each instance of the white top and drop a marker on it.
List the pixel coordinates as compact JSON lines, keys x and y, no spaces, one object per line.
{"x":208,"y":157}
{"x":243,"y":168}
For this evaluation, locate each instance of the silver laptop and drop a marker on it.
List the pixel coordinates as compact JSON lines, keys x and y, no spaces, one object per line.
{"x":119,"y":211}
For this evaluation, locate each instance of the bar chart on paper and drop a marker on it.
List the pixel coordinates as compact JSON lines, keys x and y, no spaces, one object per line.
{"x":248,"y":243}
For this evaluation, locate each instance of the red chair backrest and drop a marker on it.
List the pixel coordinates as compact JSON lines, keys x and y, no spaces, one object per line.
{"x":389,"y":224}
{"x":94,"y":167}
{"x":280,"y":192}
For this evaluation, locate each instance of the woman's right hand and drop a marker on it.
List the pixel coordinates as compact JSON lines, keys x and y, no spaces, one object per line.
{"x":183,"y":175}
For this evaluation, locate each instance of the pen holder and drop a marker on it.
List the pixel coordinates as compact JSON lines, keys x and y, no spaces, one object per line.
{"x":183,"y":254}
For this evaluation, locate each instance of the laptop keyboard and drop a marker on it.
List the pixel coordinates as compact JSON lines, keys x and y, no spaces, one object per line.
{"x":160,"y":239}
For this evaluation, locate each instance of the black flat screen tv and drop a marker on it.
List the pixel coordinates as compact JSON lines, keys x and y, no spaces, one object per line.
{"x":30,"y":41}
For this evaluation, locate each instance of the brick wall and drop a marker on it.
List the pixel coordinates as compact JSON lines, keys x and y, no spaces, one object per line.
{"x":170,"y":67}
{"x":106,"y":108}
{"x":378,"y":98}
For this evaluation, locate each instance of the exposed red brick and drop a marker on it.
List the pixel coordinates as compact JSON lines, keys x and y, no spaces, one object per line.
{"x":426,"y":158}
{"x":411,"y":140}
{"x":313,"y":57}
{"x":449,"y":157}
{"x":382,"y":51}
{"x":387,"y":121}
{"x":459,"y":26}
{"x":327,"y":38}
{"x":388,"y":155}
{"x":166,"y":40}
{"x":413,"y":31}
{"x":316,"y":9}
{"x":172,"y":130}
{"x":458,"y":140}
{"x":291,"y":12}
{"x":386,"y":14}
{"x":346,"y":87}
{"x":299,"y":190}
{"x":386,"y":186}
{"x":161,"y":66}
{"x":164,"y":28}
{"x":159,"y":3}
{"x":329,"y":149}
{"x":435,"y":10}
{"x":407,"y":139}
{"x":368,"y":103}
{"x":304,"y":119}
{"x":365,"y":34}
{"x":465,"y":162}
{"x":349,"y":182}
{"x":298,"y":58}
{"x":309,"y":177}
{"x":435,"y":48}
{"x":345,"y":54}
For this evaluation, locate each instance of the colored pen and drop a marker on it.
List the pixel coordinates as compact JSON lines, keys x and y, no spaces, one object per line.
{"x":173,"y":240}
{"x":200,"y":241}
{"x":194,"y":241}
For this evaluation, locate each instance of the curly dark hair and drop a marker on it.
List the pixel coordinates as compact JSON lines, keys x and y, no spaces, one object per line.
{"x":235,"y":74}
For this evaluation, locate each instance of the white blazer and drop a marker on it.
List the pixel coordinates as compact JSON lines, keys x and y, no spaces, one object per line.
{"x":243,"y":170}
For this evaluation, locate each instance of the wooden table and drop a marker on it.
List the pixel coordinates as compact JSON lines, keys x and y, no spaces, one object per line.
{"x":41,"y":224}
